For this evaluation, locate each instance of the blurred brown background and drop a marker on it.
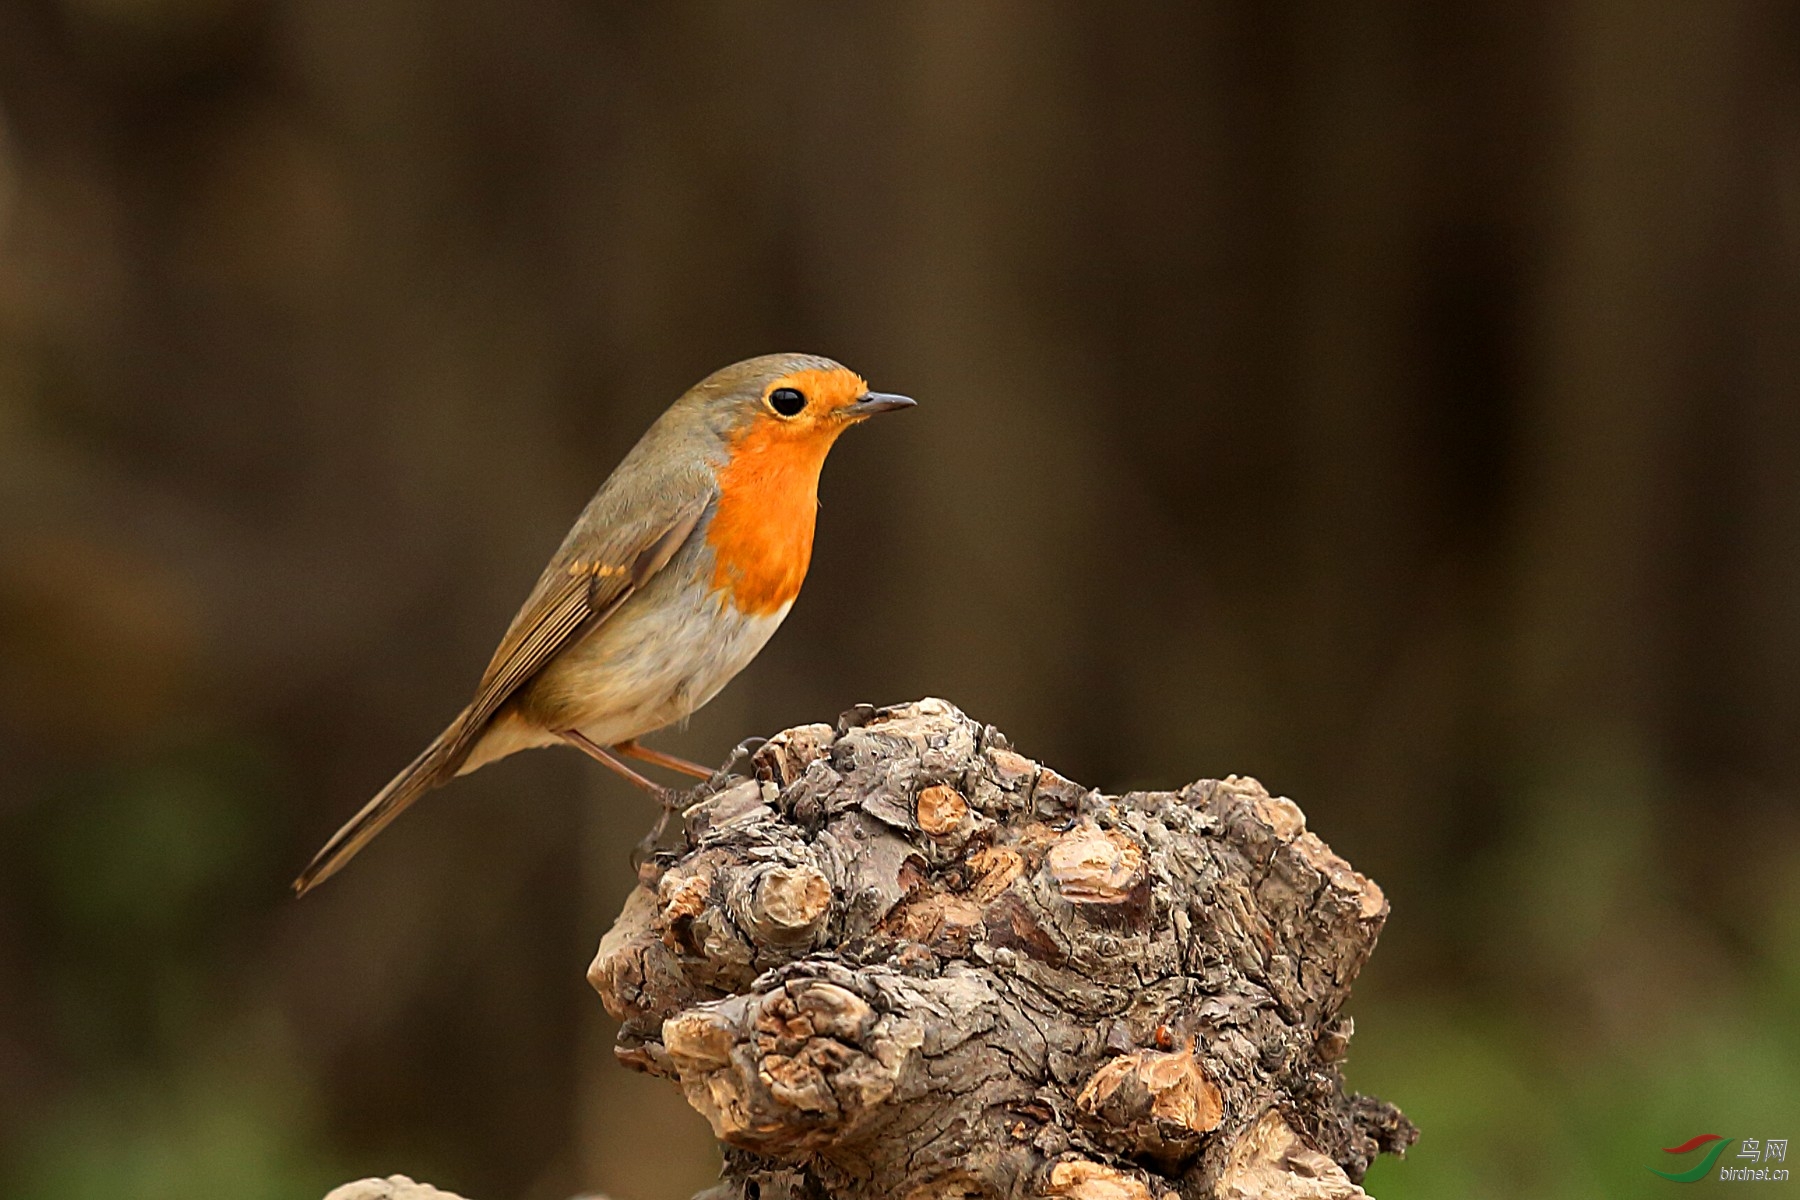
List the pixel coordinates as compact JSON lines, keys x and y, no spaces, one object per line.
{"x":1395,"y":401}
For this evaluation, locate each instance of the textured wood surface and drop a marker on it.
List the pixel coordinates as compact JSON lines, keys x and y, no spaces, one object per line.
{"x":903,"y":961}
{"x":394,"y":1187}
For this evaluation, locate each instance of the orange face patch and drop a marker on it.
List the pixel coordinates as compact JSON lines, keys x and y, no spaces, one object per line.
{"x":762,"y":532}
{"x":825,"y":391}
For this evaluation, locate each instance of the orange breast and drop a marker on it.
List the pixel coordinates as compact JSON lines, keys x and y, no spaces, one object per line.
{"x":762,"y":531}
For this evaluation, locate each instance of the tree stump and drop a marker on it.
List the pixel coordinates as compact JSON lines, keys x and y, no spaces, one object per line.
{"x":901,"y":961}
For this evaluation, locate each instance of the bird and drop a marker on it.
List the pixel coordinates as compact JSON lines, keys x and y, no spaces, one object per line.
{"x":671,"y":580}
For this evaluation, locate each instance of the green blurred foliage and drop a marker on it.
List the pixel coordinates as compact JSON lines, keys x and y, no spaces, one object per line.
{"x":139,"y":881}
{"x":174,"y":1129}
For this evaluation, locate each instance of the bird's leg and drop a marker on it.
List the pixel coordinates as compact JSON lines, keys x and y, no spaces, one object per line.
{"x":667,"y":797}
{"x":607,"y":758}
{"x":671,"y":762}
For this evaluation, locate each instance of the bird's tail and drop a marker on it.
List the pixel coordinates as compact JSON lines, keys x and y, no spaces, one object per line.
{"x":435,"y":766}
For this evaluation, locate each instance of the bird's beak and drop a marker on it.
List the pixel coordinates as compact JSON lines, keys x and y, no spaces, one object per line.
{"x":870,"y":403}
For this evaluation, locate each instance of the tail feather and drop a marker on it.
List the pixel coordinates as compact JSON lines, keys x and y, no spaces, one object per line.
{"x":435,"y":766}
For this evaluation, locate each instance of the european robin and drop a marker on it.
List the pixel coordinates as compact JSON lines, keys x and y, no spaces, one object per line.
{"x":673,"y":577}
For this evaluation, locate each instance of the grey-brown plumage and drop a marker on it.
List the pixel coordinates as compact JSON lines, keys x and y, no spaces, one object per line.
{"x":640,"y":616}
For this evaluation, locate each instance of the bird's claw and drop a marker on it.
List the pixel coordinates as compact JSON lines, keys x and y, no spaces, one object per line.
{"x":671,"y":800}
{"x":739,"y":753}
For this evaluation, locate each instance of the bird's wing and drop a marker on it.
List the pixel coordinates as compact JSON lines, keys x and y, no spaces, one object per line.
{"x":585,"y":584}
{"x":616,"y":545}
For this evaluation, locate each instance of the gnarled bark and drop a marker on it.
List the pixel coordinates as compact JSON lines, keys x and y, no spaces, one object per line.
{"x":903,"y":961}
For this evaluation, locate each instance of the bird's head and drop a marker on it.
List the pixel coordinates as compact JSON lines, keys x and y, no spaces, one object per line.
{"x":798,"y":400}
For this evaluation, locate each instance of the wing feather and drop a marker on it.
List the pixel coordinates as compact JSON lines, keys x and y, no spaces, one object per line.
{"x":574,"y":596}
{"x":635,"y":524}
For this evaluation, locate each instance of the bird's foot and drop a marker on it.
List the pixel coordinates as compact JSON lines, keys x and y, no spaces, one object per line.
{"x":740,"y":753}
{"x":671,"y":801}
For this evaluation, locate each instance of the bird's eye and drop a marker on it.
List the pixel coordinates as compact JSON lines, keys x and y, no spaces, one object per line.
{"x":787,"y":401}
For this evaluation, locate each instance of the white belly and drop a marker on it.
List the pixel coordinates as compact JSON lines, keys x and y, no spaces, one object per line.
{"x":641,"y":672}
{"x":665,"y":653}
